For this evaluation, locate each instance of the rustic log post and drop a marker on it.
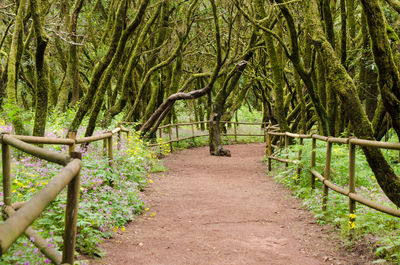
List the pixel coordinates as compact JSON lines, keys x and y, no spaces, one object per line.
{"x":193,"y":136}
{"x":170,"y":138}
{"x":71,"y":215}
{"x":110,"y":151}
{"x":235,"y":130}
{"x":313,"y":146}
{"x":352,"y":183}
{"x":301,"y":143}
{"x":269,"y":150}
{"x":327,"y":173}
{"x":160,"y":133}
{"x":286,"y":150}
{"x":72,"y":136}
{"x":6,"y":172}
{"x":177,"y":134}
{"x":119,"y":136}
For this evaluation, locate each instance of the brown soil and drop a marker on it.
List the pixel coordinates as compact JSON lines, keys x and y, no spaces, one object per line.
{"x":223,"y":210}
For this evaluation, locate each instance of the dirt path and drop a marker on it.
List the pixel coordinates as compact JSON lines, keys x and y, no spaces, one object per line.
{"x":218,"y":210}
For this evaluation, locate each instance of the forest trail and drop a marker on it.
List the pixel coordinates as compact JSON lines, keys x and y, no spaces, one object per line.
{"x":223,"y":210}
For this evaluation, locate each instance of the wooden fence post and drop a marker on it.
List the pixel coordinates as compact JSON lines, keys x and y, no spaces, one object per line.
{"x":160,"y":133}
{"x":299,"y":155}
{"x":313,"y":146}
{"x":170,"y":138}
{"x":110,"y":151}
{"x":269,"y":150}
{"x":72,"y":136}
{"x":119,"y":136}
{"x":71,"y":215}
{"x":352,"y":183}
{"x":177,"y":134}
{"x":193,"y":137}
{"x":6,"y":173}
{"x":286,"y":150}
{"x":327,"y":173}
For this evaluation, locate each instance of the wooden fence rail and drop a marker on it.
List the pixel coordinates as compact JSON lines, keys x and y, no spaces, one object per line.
{"x":325,"y":177}
{"x":20,"y":215}
{"x":178,"y":138}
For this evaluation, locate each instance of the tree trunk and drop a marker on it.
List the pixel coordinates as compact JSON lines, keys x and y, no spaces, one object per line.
{"x":41,"y":72}
{"x":14,"y":109}
{"x":344,"y":86}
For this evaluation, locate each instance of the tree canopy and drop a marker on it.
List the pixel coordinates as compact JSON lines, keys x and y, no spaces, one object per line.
{"x":327,"y":66}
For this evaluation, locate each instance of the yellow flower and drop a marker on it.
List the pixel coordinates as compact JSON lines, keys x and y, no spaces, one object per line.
{"x":151,"y":181}
{"x":147,"y":209}
{"x":123,"y":229}
{"x":352,"y":216}
{"x":153,"y":214}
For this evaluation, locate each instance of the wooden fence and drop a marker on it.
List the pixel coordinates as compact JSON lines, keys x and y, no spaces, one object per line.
{"x":325,"y":176}
{"x":173,"y":135}
{"x":20,"y":215}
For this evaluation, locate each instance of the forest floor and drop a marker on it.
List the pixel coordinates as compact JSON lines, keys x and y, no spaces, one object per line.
{"x":224,"y":210}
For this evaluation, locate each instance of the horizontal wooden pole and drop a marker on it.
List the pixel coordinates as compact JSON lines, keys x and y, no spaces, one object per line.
{"x":284,"y":160}
{"x":38,"y":241}
{"x":44,"y":140}
{"x":356,"y":197}
{"x":15,"y":226}
{"x":124,"y":129}
{"x":277,"y":133}
{"x":94,"y":138}
{"x":318,"y":175}
{"x":48,"y":155}
{"x":369,"y":143}
{"x":116,"y":130}
{"x":319,"y":137}
{"x":338,"y":140}
{"x":17,"y":205}
{"x":296,"y":135}
{"x":335,"y":187}
{"x":243,"y":123}
{"x":374,"y":205}
{"x":242,"y":134}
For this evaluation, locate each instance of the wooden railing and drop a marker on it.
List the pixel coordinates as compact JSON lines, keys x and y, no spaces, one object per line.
{"x":350,"y":192}
{"x":20,"y":215}
{"x":173,"y":133}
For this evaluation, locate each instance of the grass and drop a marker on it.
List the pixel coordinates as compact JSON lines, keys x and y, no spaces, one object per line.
{"x":380,"y":231}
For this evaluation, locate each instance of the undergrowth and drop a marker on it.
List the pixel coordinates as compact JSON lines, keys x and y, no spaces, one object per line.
{"x":109,"y":197}
{"x":378,"y":230}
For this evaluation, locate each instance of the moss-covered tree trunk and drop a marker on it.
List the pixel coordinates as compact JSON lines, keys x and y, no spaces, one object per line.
{"x":277,"y":71}
{"x":41,"y":72}
{"x":71,"y":81}
{"x":344,"y":87}
{"x":388,"y":74}
{"x":368,"y":77}
{"x":123,"y":36}
{"x":14,"y":109}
